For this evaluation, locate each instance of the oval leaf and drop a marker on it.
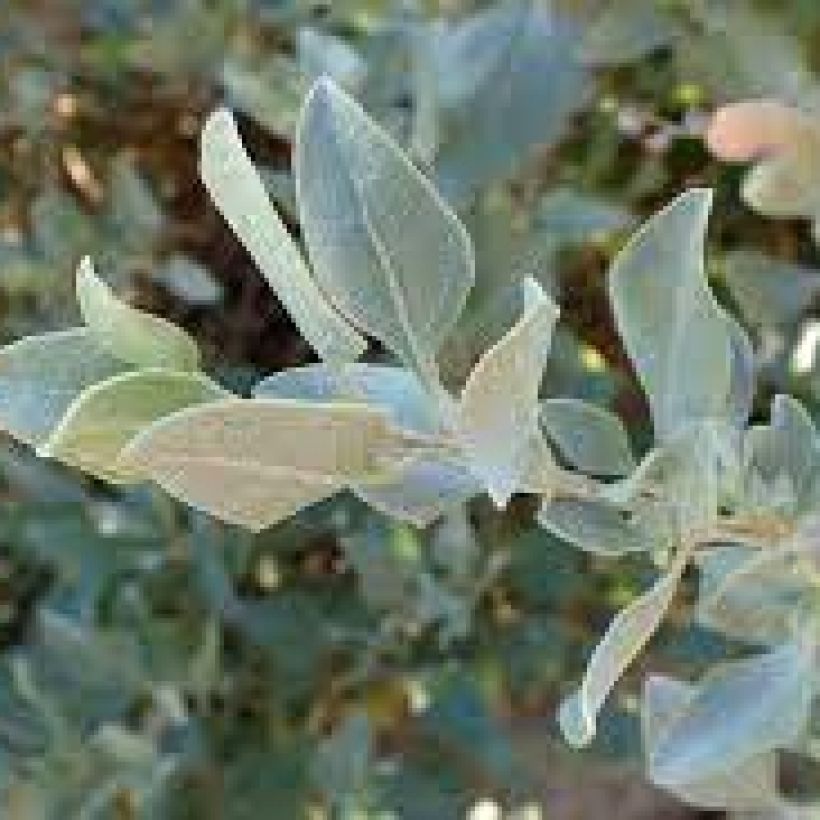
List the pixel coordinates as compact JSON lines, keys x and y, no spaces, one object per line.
{"x":385,"y":248}
{"x":587,"y":437}
{"x":238,"y":192}
{"x":255,"y":462}
{"x":105,"y":417}
{"x":40,"y":376}
{"x":128,"y":334}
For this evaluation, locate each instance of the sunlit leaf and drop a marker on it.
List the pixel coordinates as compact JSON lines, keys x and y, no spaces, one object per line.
{"x":384,"y":247}
{"x":751,"y":784}
{"x":255,"y":462}
{"x":133,"y":337}
{"x":41,"y":375}
{"x":238,"y":192}
{"x":587,"y":437}
{"x":739,"y":710}
{"x":106,"y":416}
{"x":498,"y":407}
{"x":678,"y":337}
{"x":626,"y":636}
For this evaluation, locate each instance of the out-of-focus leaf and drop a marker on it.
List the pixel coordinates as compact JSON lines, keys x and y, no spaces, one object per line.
{"x":623,"y":32}
{"x":385,"y":248}
{"x":783,"y":454}
{"x":588,"y":437}
{"x":238,"y":192}
{"x":738,"y":711}
{"x":341,"y":766}
{"x":678,"y":337}
{"x":133,"y":337}
{"x":106,"y":416}
{"x":626,"y":636}
{"x":770,"y":293}
{"x":492,"y":67}
{"x":189,"y":281}
{"x":255,"y":462}
{"x":321,"y":54}
{"x":498,"y":407}
{"x":752,"y":784}
{"x":41,"y":375}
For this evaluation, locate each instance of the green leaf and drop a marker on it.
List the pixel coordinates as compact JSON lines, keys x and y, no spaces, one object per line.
{"x":678,"y":337}
{"x":740,"y":709}
{"x":750,"y":785}
{"x":255,"y":462}
{"x":128,"y":334}
{"x":385,"y":248}
{"x":41,"y":375}
{"x":498,"y":408}
{"x":238,"y":191}
{"x":106,"y":416}
{"x":588,"y":437}
{"x":626,"y":636}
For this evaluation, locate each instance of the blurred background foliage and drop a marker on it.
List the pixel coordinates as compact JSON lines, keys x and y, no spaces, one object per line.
{"x":157,"y":664}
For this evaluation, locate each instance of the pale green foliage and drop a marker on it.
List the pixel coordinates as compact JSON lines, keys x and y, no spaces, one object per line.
{"x":390,"y":259}
{"x":133,"y":337}
{"x":386,"y":249}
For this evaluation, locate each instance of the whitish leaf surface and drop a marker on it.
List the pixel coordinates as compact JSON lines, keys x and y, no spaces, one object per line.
{"x":238,"y":191}
{"x":389,"y":253}
{"x":595,"y":526}
{"x":498,"y":407}
{"x":752,"y":596}
{"x":41,"y":375}
{"x":396,"y":389}
{"x":130,"y":335}
{"x":106,"y":416}
{"x":751,"y":784}
{"x":423,"y":488}
{"x":784,"y":453}
{"x":676,"y":334}
{"x":740,"y":709}
{"x":626,"y":636}
{"x":588,"y":437}
{"x":254,"y":462}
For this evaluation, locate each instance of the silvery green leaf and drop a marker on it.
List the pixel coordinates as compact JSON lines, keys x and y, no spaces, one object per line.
{"x":387,"y":251}
{"x":573,"y":216}
{"x":41,"y":375}
{"x":513,"y":79}
{"x":750,"y":595}
{"x":189,"y":281}
{"x":320,"y":54}
{"x":769,"y":292}
{"x":238,"y":192}
{"x":589,"y":438}
{"x":106,"y":416}
{"x":626,"y":636}
{"x":128,"y":334}
{"x":752,"y":784}
{"x":342,"y":763}
{"x":596,"y":526}
{"x":737,"y":711}
{"x":395,"y":389}
{"x":497,"y":413}
{"x":784,"y":451}
{"x":422,"y":488}
{"x":421,"y":491}
{"x":678,"y":337}
{"x":255,"y":462}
